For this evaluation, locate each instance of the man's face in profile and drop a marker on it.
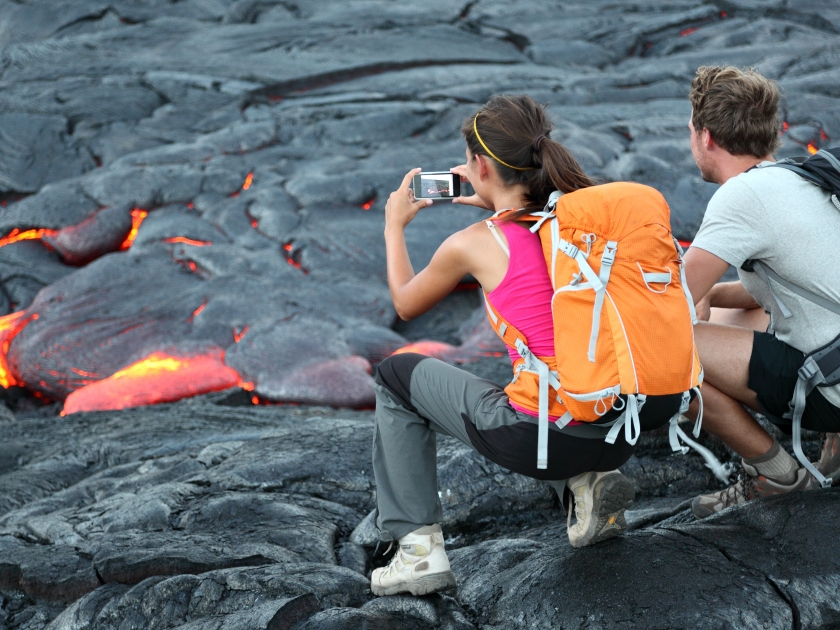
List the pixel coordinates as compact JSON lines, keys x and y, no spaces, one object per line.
{"x":701,"y":155}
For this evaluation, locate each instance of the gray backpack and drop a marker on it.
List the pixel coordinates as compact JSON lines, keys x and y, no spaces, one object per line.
{"x":821,"y":367}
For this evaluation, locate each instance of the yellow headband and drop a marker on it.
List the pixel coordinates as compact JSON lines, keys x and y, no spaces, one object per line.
{"x":516,"y":168}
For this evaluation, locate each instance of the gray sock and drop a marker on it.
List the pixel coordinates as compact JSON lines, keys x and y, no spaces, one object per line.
{"x":776,"y":464}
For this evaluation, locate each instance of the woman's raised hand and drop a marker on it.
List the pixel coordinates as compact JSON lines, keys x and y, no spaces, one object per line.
{"x":401,"y":205}
{"x":472,"y":200}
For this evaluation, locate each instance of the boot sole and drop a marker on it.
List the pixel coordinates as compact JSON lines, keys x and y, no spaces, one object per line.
{"x":610,"y":497}
{"x":421,"y":586}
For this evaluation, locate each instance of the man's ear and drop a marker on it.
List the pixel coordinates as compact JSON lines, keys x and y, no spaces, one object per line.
{"x":708,"y":142}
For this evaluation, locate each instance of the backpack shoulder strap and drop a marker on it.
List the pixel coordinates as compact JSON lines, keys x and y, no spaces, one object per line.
{"x":801,"y":172}
{"x":765,"y":273}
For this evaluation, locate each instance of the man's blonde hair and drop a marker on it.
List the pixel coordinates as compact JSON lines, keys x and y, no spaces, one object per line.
{"x":739,"y":107}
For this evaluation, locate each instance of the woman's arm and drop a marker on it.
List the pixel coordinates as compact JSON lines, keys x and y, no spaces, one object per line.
{"x":413,"y":294}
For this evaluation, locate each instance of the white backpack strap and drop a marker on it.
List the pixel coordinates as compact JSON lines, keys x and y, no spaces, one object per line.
{"x":547,"y":212}
{"x":607,"y":259}
{"x":545,"y":379}
{"x":561,"y":245}
{"x":688,"y":297}
{"x":722,"y":471}
{"x":629,"y":420}
{"x":495,"y":232}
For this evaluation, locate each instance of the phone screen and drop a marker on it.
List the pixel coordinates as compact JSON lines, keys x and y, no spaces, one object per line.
{"x":436,"y":185}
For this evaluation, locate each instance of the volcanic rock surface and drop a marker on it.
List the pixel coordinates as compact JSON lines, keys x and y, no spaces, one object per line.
{"x":191,"y":199}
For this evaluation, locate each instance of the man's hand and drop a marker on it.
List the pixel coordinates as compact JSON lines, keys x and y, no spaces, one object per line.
{"x":401,"y":206}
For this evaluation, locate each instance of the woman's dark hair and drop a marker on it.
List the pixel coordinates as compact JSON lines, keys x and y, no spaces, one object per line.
{"x":515,"y":130}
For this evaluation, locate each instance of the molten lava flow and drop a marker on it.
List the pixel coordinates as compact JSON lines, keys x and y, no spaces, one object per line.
{"x":137,"y":217}
{"x":812,"y":148}
{"x":156,"y":379}
{"x":249,"y":179}
{"x":367,"y":205}
{"x":27,"y":235}
{"x":187,"y":241}
{"x":429,"y":348}
{"x":237,"y":335}
{"x":688,"y":31}
{"x":10,"y":326}
{"x":197,"y":311}
{"x":785,"y":126}
{"x":685,"y":244}
{"x":823,"y":135}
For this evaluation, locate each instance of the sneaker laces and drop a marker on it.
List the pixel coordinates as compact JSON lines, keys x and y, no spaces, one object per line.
{"x":580,"y":512}
{"x":744,"y":487}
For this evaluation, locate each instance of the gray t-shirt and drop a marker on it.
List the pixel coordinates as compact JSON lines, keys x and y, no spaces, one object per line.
{"x":790,"y":224}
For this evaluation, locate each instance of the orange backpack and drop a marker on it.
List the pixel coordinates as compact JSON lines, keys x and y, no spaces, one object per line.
{"x":623,"y":316}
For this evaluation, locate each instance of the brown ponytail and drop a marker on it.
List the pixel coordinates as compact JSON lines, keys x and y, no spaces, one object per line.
{"x":515,"y":129}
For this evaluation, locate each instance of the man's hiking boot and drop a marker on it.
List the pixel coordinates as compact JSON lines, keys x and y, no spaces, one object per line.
{"x":750,"y":485}
{"x":829,"y":464}
{"x":420,"y":566}
{"x":600,"y":500}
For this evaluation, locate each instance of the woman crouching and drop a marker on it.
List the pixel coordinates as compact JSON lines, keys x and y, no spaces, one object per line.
{"x":512,"y":164}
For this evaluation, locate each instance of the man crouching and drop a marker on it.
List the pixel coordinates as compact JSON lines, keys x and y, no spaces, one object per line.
{"x":773,"y":217}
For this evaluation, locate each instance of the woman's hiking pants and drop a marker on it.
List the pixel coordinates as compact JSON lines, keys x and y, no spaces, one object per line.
{"x":418,"y":397}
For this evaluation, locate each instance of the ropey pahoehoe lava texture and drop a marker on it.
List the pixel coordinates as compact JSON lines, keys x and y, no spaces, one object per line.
{"x":191,"y":199}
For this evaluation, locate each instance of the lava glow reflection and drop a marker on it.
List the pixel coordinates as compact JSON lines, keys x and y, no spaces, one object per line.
{"x":158,"y":378}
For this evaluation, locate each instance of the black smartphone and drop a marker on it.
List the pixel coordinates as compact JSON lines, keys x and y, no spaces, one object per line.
{"x":436,"y":185}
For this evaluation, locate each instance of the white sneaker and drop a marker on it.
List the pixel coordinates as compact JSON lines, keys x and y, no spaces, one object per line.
{"x":420,"y":566}
{"x":600,"y":501}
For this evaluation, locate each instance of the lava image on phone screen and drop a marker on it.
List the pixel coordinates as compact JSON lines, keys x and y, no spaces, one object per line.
{"x":436,"y":185}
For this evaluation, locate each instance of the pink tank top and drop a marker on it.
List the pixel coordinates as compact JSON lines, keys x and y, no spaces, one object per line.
{"x":523,"y":297}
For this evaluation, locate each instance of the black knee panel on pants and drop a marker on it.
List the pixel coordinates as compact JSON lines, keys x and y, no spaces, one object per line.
{"x":394,"y":374}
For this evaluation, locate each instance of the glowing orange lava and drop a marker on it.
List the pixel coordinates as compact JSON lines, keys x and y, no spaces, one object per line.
{"x":249,"y":179}
{"x":688,"y":31}
{"x":187,"y":241}
{"x":812,"y":148}
{"x":685,"y":244}
{"x":27,"y":235}
{"x":823,"y":135}
{"x":368,"y":204}
{"x":785,"y":126}
{"x":197,"y":311}
{"x":429,"y":348}
{"x":237,"y":335}
{"x":156,"y":379}
{"x":137,"y":216}
{"x":10,"y":326}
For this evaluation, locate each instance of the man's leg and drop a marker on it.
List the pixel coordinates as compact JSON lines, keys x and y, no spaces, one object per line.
{"x":749,"y":318}
{"x":725,"y":352}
